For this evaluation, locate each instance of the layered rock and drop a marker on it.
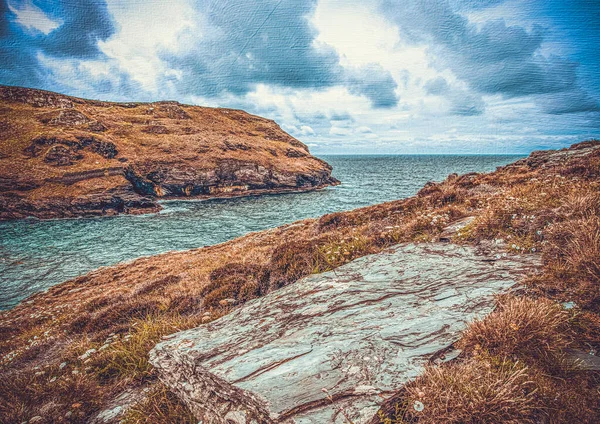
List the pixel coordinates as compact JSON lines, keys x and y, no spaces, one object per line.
{"x":137,"y":152}
{"x":331,"y":347}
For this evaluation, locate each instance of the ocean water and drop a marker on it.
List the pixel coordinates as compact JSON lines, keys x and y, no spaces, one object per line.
{"x":35,"y":255}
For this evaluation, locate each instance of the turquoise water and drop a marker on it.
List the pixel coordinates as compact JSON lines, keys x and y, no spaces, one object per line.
{"x":35,"y":255}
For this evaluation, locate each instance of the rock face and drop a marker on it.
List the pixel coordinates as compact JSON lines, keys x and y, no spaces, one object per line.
{"x":161,"y":149}
{"x":330,"y":347}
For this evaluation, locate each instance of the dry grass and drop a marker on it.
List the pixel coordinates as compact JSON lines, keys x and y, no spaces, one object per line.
{"x":160,"y":406}
{"x":236,"y":282}
{"x":128,"y":357}
{"x":472,"y":392}
{"x":56,"y":395}
{"x":573,"y":259}
{"x":520,"y":327}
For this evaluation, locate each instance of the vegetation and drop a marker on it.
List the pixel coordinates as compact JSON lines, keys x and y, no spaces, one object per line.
{"x":514,"y":366}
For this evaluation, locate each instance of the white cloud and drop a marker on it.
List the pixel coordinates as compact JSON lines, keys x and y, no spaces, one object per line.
{"x":32,"y":17}
{"x":145,"y":29}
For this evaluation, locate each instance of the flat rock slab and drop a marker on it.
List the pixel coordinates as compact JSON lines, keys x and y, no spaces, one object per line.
{"x":338,"y":341}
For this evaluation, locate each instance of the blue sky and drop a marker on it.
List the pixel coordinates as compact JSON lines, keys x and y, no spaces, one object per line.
{"x":343,"y":76}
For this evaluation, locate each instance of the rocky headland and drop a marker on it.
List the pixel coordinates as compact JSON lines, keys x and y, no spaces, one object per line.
{"x":475,"y":301}
{"x":63,"y":156}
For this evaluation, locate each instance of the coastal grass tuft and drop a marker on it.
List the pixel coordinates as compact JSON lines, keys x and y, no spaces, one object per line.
{"x":520,"y":327}
{"x":472,"y":392}
{"x":128,"y":357}
{"x":159,"y":406}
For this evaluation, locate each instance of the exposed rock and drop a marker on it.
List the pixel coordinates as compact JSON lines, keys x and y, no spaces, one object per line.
{"x":60,"y":155}
{"x":113,"y":412}
{"x":97,"y":126}
{"x":110,"y":202}
{"x":104,"y":148}
{"x":452,"y":229}
{"x":173,"y":110}
{"x":65,"y":117}
{"x":156,"y":129}
{"x":36,"y":98}
{"x":549,"y":158}
{"x":229,"y":145}
{"x":229,"y":176}
{"x":293,"y":153}
{"x":337,"y":341}
{"x":586,"y":361}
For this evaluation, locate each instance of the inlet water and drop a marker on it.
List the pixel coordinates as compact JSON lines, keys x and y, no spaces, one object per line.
{"x":35,"y":255}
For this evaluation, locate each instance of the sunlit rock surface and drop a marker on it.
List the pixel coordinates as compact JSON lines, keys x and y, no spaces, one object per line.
{"x":337,"y":341}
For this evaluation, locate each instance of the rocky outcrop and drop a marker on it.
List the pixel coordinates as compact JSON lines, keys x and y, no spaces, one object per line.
{"x":331,"y":347}
{"x":228,"y":176}
{"x":163,"y":149}
{"x":553,"y":158}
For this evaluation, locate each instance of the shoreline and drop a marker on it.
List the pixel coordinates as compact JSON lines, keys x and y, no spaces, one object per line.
{"x":159,"y":200}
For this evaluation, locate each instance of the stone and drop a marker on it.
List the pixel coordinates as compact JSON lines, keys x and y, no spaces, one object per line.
{"x":114,"y":409}
{"x":336,"y":343}
{"x":87,"y":354}
{"x":452,"y":229}
{"x":585,"y":361}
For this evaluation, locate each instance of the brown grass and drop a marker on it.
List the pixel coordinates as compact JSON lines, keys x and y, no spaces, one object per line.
{"x":573,"y":259}
{"x":520,"y":327}
{"x":160,"y":406}
{"x":128,"y":358}
{"x":472,"y":392}
{"x":237,"y":282}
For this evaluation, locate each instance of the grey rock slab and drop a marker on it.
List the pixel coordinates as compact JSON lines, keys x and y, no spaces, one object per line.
{"x":586,"y":361}
{"x":452,"y":229}
{"x":332,"y":346}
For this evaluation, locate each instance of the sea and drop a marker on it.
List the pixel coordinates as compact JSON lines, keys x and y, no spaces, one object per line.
{"x":35,"y":255}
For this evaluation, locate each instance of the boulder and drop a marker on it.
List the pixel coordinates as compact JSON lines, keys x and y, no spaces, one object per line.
{"x":331,"y":347}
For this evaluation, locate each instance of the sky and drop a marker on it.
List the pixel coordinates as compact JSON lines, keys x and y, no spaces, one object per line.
{"x":343,"y":76}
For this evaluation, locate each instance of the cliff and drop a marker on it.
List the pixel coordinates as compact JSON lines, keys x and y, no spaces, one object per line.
{"x":343,"y":303}
{"x":62,"y":156}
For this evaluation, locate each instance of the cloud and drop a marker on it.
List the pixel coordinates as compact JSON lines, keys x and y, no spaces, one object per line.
{"x":475,"y":4}
{"x":80,"y":25}
{"x":375,"y":83}
{"x":340,"y":131}
{"x":461,"y":101}
{"x":493,"y":58}
{"x":566,"y":102}
{"x":5,"y":13}
{"x":333,"y":72}
{"x":85,"y":23}
{"x":438,"y":86}
{"x":32,"y":17}
{"x":302,"y":131}
{"x":246,"y":43}
{"x":340,"y":116}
